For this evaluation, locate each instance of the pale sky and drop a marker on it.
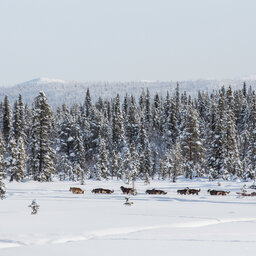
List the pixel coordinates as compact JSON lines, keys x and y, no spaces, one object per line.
{"x":118,"y":40}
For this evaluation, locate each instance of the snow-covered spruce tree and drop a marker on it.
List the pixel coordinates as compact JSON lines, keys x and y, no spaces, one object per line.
{"x":15,"y":123}
{"x":105,"y":130}
{"x":242,"y":114}
{"x":147,"y":112}
{"x":167,"y":104}
{"x":79,"y":157}
{"x":118,"y":135}
{"x":70,"y":141}
{"x":216,"y":161}
{"x":177,"y":163}
{"x":64,"y":167}
{"x":118,"y":166}
{"x":102,"y":164}
{"x":87,"y":103}
{"x":28,"y":122}
{"x":177,"y":104}
{"x":86,"y":135}
{"x":114,"y":165}
{"x":191,"y":144}
{"x":202,"y":105}
{"x":210,"y":139}
{"x":108,"y":110}
{"x":148,"y":163}
{"x":142,"y":170}
{"x":42,"y":155}
{"x":155,"y":160}
{"x":251,"y":154}
{"x":21,"y":160}
{"x":100,"y":104}
{"x":156,"y":113}
{"x":171,"y":127}
{"x":2,"y":161}
{"x":232,"y":160}
{"x":132,"y":127}
{"x":240,"y":107}
{"x":18,"y":123}
{"x":95,"y":122}
{"x":7,"y":119}
{"x":125,"y":105}
{"x":134,"y":161}
{"x":79,"y":173}
{"x":10,"y":161}
{"x":143,"y":138}
{"x":65,"y":136}
{"x":16,"y":161}
{"x":127,"y":168}
{"x":163,"y":168}
{"x":82,"y":181}
{"x":183,"y":112}
{"x":142,"y":100}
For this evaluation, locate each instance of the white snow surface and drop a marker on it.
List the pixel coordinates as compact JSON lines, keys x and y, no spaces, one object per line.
{"x":94,"y":224}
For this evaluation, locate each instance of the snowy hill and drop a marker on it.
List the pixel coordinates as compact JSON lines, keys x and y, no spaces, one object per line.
{"x":60,"y":91}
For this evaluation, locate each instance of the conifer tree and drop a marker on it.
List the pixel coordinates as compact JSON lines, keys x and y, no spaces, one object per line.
{"x":42,"y":155}
{"x":118,"y":136}
{"x":133,"y":122}
{"x":2,"y":161}
{"x":16,"y":162}
{"x":148,"y":114}
{"x":232,"y":160}
{"x":87,"y":103}
{"x":171,"y":126}
{"x":64,"y":167}
{"x":217,"y":152}
{"x":15,"y":123}
{"x":12,"y":157}
{"x":95,"y":123}
{"x":148,"y":163}
{"x":114,"y":165}
{"x":7,"y":119}
{"x":125,"y":105}
{"x":134,"y":161}
{"x":163,"y":168}
{"x":177,"y":103}
{"x":156,"y":113}
{"x":177,"y":166}
{"x":191,"y":143}
{"x":143,"y":138}
{"x":102,"y":165}
{"x":142,"y":100}
{"x":18,"y":119}
{"x":119,"y":166}
{"x":251,"y":159}
{"x":127,"y":168}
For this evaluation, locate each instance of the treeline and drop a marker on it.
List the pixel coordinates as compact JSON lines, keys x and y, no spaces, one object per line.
{"x":212,"y":135}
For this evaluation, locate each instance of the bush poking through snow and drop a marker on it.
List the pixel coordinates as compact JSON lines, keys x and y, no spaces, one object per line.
{"x":34,"y":206}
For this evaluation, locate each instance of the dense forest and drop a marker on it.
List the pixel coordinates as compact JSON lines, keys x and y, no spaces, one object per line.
{"x":212,"y":135}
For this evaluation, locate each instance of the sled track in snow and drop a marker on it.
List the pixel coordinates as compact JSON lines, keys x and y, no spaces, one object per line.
{"x":57,"y":239}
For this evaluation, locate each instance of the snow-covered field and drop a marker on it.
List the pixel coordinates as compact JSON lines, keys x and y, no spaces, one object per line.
{"x":90,"y":224}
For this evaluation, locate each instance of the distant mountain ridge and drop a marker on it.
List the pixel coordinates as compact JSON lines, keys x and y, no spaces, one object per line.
{"x":61,"y":91}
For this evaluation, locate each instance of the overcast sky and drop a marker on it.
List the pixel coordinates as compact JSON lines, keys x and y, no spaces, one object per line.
{"x":123,"y":40}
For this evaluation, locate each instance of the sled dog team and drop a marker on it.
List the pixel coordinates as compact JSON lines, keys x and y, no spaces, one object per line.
{"x":132,"y":191}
